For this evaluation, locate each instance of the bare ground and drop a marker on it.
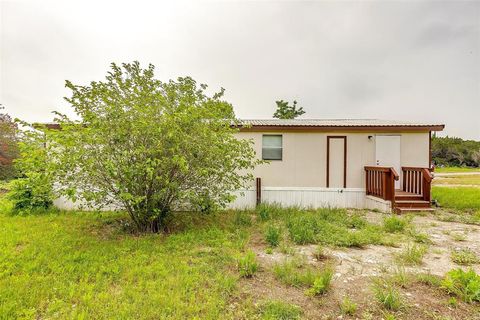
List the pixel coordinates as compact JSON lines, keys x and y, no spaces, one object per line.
{"x":355,"y":268}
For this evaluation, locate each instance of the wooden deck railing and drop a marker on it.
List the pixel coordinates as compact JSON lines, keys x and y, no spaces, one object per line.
{"x":380,"y":182}
{"x":417,"y":181}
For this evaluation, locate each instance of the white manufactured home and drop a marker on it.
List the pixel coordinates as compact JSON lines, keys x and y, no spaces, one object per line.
{"x":340,"y":163}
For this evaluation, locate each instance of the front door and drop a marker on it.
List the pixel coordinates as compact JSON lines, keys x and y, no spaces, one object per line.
{"x":336,"y":162}
{"x":387,"y":153}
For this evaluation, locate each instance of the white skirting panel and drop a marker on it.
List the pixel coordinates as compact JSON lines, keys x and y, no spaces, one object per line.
{"x":288,"y":197}
{"x":303,"y":197}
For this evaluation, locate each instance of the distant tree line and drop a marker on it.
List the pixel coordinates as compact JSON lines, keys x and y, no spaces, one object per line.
{"x":451,"y":151}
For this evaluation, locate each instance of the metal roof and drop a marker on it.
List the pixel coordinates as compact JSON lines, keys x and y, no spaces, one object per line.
{"x":335,"y":123}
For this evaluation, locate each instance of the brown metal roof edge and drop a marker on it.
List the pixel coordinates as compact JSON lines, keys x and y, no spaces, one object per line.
{"x":326,"y":128}
{"x":312,"y":128}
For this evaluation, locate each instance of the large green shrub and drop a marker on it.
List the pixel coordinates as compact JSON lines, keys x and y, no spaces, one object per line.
{"x":34,"y":189}
{"x":150,"y":146}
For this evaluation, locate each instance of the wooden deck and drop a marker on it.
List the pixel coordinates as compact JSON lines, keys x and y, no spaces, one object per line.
{"x":414,"y":194}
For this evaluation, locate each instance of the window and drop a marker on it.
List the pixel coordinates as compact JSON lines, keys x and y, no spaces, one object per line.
{"x":272,"y":147}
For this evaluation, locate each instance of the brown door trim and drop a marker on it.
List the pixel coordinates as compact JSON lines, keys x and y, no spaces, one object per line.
{"x":430,"y":150}
{"x":344,"y":159}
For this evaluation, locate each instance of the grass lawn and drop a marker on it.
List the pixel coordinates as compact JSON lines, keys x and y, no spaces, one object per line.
{"x":80,"y":265}
{"x":456,"y":169}
{"x":457,"y":197}
{"x":470,"y":180}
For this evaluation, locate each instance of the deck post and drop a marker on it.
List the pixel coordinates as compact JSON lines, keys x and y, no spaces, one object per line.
{"x":259,"y":190}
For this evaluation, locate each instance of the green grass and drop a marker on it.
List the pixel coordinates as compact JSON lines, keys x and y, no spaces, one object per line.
{"x":468,"y":180}
{"x":80,"y":265}
{"x":461,"y":198}
{"x":412,"y":254}
{"x":278,"y":310}
{"x":333,"y":227}
{"x":273,"y":235}
{"x":295,"y":273}
{"x":347,"y":306}
{"x":387,"y":295}
{"x":456,"y":169}
{"x":394,"y":224}
{"x":465,"y":257}
{"x":247,"y":264}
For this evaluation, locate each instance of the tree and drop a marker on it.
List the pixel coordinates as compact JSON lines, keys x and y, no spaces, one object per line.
{"x":285,"y":111}
{"x":149,"y":146}
{"x":8,"y":145}
{"x":451,"y":151}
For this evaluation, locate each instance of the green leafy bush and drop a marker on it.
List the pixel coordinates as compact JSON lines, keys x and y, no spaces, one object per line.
{"x":322,"y":281}
{"x":464,"y":284}
{"x":33,"y":191}
{"x":29,"y":195}
{"x":248,"y":265}
{"x":278,"y":310}
{"x":272,"y":235}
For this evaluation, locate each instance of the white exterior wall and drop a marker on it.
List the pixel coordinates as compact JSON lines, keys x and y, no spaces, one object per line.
{"x":299,"y":179}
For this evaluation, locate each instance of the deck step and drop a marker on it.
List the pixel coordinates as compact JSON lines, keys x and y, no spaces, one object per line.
{"x":412,"y":204}
{"x":408,"y":197}
{"x":408,"y":210}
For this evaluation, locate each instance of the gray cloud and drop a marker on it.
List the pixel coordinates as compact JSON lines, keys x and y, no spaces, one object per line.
{"x":393,"y":60}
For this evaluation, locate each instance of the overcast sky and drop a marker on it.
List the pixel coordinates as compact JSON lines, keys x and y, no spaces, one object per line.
{"x":403,"y":60}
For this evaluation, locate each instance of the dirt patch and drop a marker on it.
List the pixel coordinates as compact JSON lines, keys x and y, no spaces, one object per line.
{"x":355,"y":268}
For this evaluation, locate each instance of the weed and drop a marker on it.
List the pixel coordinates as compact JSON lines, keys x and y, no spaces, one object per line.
{"x":243,"y":219}
{"x":272,"y":235}
{"x":464,"y":284}
{"x":452,"y":301}
{"x":322,"y":281}
{"x":319,"y":253}
{"x":278,"y":310}
{"x":459,"y":237}
{"x":293,"y":272}
{"x":247,"y":265}
{"x":389,"y":316}
{"x":269,"y":250}
{"x":419,"y":237}
{"x":394,"y":224}
{"x":464,"y":257}
{"x":387,"y":295}
{"x":333,"y":227}
{"x":286,"y":248}
{"x":412,"y":254}
{"x":263,"y":212}
{"x":401,"y":277}
{"x":429,"y":279}
{"x":347,"y":306}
